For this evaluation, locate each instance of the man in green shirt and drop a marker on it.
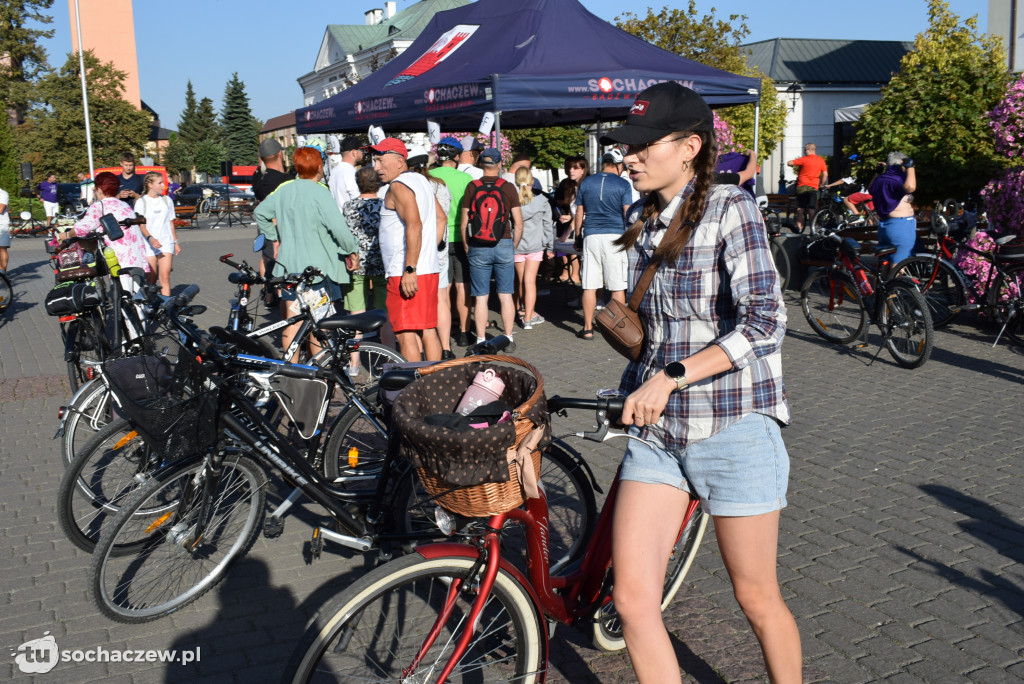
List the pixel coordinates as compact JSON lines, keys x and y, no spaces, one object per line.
{"x":448,"y":151}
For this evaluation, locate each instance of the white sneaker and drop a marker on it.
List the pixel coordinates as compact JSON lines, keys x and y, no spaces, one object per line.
{"x":353,"y":371}
{"x":537,"y":319}
{"x":527,"y":325}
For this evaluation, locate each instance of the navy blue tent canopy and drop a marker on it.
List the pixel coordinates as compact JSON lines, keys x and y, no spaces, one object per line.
{"x":537,"y":62}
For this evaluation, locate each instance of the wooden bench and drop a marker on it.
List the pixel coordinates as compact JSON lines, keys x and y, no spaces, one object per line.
{"x":238,"y":211}
{"x":186,"y":213}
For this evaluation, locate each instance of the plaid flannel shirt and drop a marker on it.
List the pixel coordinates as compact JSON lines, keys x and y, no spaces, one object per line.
{"x":723,"y":289}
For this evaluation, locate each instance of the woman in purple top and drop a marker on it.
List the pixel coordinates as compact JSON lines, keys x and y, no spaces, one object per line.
{"x":892,"y":194}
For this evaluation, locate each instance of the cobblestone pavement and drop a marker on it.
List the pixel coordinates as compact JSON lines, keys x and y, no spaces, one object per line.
{"x":900,"y":552}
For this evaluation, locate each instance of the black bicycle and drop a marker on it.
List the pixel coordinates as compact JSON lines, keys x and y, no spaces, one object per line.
{"x":840,"y":300}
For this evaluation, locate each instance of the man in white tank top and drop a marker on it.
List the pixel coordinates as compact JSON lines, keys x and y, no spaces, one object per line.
{"x":410,"y":222}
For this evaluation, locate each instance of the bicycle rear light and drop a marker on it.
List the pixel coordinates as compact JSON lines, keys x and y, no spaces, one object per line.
{"x":351,"y":345}
{"x":61,"y":411}
{"x":90,"y":373}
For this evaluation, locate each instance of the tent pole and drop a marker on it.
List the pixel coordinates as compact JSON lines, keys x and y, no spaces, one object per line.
{"x":597,"y":145}
{"x":757,"y":127}
{"x":497,"y":113}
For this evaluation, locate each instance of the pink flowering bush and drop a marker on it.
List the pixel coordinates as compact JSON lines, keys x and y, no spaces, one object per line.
{"x":1007,"y":121}
{"x":724,"y":135}
{"x":1003,"y":196}
{"x":486,"y":141}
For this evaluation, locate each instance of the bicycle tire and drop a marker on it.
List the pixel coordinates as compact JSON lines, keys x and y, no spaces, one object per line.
{"x":606,"y":633}
{"x":372,"y":358}
{"x":825,"y":221}
{"x":378,"y":625}
{"x":907,"y":324}
{"x":119,"y":583}
{"x":109,"y":468}
{"x":203,"y":208}
{"x":6,"y":292}
{"x":572,"y":508}
{"x":833,"y":306}
{"x":943,"y":293}
{"x":1006,"y":296}
{"x":782,"y":264}
{"x":352,"y":429}
{"x":90,"y":409}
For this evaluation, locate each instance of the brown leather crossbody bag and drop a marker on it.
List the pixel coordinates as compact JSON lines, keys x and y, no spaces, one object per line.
{"x":619,"y":323}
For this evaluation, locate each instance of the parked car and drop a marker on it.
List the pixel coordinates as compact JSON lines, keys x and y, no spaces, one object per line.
{"x":69,"y":198}
{"x":206,"y":196}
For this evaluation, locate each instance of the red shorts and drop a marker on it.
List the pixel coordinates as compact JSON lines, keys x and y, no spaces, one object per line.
{"x":858,"y":197}
{"x":417,"y":313}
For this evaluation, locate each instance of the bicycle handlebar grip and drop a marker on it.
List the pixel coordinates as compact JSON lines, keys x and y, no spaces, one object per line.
{"x":137,"y":221}
{"x":614,"y":408}
{"x":181,"y":299}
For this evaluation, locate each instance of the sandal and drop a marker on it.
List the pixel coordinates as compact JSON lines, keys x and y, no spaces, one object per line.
{"x":586,"y":335}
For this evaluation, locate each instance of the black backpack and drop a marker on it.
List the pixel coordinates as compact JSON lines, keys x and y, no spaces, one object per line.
{"x":488,"y":213}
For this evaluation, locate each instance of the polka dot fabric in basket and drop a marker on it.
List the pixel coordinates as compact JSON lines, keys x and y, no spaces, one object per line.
{"x":468,"y":457}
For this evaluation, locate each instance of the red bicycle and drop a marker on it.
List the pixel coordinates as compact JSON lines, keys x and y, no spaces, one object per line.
{"x":462,"y":612}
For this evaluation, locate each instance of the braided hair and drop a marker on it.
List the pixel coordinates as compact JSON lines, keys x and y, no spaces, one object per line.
{"x":694,"y":206}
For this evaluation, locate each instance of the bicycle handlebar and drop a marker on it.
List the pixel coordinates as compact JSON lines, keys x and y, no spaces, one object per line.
{"x":181,"y":299}
{"x":137,"y":221}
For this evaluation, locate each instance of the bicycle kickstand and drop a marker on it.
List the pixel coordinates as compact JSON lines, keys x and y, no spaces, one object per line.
{"x":1011,"y":313}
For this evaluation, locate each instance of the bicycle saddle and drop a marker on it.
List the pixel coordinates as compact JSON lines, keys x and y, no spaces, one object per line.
{"x":885,"y":251}
{"x":365,"y":322}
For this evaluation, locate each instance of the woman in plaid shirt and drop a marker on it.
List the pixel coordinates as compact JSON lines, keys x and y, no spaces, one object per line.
{"x":707,"y":393}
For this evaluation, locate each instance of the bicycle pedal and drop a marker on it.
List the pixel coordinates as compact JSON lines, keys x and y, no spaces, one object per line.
{"x":316,"y":544}
{"x":273,"y":527}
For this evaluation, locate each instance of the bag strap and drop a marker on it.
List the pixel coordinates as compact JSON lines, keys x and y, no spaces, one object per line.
{"x":659,"y":255}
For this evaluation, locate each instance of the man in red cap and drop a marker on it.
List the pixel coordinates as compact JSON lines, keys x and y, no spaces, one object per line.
{"x":412,"y":225}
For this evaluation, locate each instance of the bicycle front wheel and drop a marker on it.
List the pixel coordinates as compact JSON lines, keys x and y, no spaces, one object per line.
{"x":372,"y":357}
{"x":826,"y":221}
{"x":375,"y":629}
{"x":1007,"y":301}
{"x":90,"y":409}
{"x":607,"y":630}
{"x":6,"y":292}
{"x":832,"y":305}
{"x":943,"y":292}
{"x":907,"y":324}
{"x":572,"y":508}
{"x":354,"y":429}
{"x":112,"y":465}
{"x":203,"y":209}
{"x":183,"y":552}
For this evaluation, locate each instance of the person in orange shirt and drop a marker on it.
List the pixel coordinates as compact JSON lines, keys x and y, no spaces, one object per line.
{"x":812,"y":175}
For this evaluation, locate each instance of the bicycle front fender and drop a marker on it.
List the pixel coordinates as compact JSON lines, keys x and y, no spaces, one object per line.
{"x":449,"y":549}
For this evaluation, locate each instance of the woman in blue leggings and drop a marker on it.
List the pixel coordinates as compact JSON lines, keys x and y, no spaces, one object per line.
{"x":892,"y":194}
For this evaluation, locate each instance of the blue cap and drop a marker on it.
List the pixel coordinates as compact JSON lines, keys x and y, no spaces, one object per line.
{"x":490,"y":156}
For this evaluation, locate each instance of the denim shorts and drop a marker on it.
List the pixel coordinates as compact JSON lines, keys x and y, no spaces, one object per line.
{"x":486,"y":260}
{"x":743,"y":470}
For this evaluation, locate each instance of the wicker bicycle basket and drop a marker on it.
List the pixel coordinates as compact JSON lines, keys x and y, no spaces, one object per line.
{"x":468,"y":471}
{"x":165,"y":393}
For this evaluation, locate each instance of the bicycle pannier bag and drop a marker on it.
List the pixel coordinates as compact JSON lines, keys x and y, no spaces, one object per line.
{"x":71,"y":298}
{"x":488,"y":213}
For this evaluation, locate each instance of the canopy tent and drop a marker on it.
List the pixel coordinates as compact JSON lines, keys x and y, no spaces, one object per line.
{"x":849,"y":114}
{"x":532,"y":62}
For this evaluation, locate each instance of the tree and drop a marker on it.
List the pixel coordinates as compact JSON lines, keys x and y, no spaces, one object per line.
{"x":715,"y":43}
{"x":55,"y":132}
{"x":934,"y":109}
{"x":241,"y":132}
{"x":189,"y":128}
{"x":25,"y":58}
{"x":178,"y":156}
{"x":548,"y":147}
{"x":9,"y":177}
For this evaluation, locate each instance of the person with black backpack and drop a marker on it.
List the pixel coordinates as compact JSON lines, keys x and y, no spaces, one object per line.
{"x":492,"y":225}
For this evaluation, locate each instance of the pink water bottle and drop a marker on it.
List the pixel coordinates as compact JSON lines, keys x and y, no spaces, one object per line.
{"x":486,"y":387}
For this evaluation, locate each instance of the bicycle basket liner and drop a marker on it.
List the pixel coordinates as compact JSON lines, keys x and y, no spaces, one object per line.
{"x":304,"y":400}
{"x":474,"y":472}
{"x":166,"y":395}
{"x":1012,"y":251}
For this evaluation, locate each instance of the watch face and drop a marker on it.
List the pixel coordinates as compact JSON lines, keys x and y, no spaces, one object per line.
{"x":675,"y":370}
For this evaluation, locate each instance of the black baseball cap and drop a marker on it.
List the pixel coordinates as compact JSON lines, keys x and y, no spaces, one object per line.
{"x":659,"y":110}
{"x":351,"y":143}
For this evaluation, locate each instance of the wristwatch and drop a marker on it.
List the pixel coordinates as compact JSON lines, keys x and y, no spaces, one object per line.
{"x":677,"y":371}
{"x":410,"y":269}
